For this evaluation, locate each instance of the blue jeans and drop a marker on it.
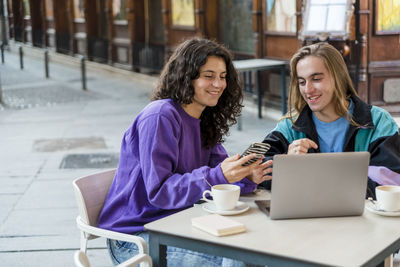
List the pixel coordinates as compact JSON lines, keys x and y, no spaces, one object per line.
{"x":176,"y":257}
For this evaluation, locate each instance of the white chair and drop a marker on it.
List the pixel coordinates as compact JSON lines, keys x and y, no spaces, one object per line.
{"x":81,"y":260}
{"x":91,"y":192}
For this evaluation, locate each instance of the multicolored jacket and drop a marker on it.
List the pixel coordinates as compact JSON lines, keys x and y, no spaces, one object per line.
{"x":377,"y":133}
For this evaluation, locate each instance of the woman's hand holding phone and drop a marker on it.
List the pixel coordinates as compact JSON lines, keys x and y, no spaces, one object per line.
{"x":258,"y":148}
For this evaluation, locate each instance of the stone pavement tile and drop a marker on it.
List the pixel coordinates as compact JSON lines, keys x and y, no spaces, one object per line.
{"x":50,"y":173}
{"x":14,"y":185}
{"x":8,"y":201}
{"x":29,"y":131}
{"x":11,"y":74}
{"x":97,"y":257}
{"x":52,"y":167}
{"x":54,"y":224}
{"x":60,"y":113}
{"x":48,"y":194}
{"x":68,"y":241}
{"x":23,"y":165}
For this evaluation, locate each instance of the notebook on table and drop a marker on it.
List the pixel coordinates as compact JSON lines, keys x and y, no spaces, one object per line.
{"x":218,"y":225}
{"x":318,"y":185}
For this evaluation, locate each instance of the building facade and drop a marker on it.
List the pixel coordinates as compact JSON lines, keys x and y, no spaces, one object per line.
{"x":140,"y":34}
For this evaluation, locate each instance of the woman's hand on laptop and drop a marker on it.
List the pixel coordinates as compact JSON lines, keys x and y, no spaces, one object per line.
{"x":261,"y":173}
{"x":301,"y":146}
{"x":234,"y":171}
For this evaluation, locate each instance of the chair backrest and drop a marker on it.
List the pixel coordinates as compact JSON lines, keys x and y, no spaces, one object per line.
{"x":91,"y":192}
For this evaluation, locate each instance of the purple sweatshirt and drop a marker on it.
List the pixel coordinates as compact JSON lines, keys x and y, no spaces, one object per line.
{"x":161,"y":169}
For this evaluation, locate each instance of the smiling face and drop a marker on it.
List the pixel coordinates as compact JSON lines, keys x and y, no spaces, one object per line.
{"x":208,"y":87}
{"x":317,"y":87}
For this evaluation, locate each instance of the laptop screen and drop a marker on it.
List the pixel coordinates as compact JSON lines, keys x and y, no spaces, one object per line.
{"x":319,"y":185}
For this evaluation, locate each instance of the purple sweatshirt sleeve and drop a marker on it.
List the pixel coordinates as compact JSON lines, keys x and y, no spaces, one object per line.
{"x":383,"y":175}
{"x":159,"y":152}
{"x":218,"y":154}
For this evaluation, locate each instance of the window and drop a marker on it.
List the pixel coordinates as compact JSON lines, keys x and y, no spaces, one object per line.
{"x":281,"y":16}
{"x":119,"y":9}
{"x":183,"y":13}
{"x":27,"y":9}
{"x":78,"y":9}
{"x":327,"y":19}
{"x":49,"y":9}
{"x":387,"y":17}
{"x":237,"y":25}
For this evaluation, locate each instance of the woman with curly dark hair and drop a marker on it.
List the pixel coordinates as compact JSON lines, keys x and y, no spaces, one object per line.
{"x":176,"y":83}
{"x":174,"y":147}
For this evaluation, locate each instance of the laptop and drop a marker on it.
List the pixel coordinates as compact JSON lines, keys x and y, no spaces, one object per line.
{"x":318,"y":185}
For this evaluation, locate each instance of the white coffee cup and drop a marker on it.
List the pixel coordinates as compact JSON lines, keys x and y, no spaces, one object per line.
{"x":225,"y":196}
{"x":388,"y":197}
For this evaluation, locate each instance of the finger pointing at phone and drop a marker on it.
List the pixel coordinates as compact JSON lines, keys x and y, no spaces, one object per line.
{"x":301,"y":146}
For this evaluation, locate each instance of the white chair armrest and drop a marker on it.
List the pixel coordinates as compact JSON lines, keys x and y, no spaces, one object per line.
{"x":81,"y":259}
{"x":140,"y":258}
{"x":139,"y":241}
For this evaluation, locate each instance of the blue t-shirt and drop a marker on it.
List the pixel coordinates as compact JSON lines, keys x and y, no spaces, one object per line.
{"x":331,"y":135}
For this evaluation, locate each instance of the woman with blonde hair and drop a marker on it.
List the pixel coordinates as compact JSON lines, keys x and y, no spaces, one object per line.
{"x":326,"y":115}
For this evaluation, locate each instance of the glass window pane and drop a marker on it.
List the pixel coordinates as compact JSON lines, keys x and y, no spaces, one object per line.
{"x":237,"y":25}
{"x":388,"y":18}
{"x":49,"y":9}
{"x":183,"y":13}
{"x":78,"y":9}
{"x":316,"y":18}
{"x":320,"y":2}
{"x":281,"y":15}
{"x":119,"y":9}
{"x":326,"y":19}
{"x":27,"y":9}
{"x":336,"y":18}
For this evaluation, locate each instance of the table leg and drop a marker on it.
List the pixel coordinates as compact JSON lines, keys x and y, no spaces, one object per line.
{"x":259,"y":94}
{"x":283,"y":85}
{"x":157,"y":251}
{"x":389,"y":261}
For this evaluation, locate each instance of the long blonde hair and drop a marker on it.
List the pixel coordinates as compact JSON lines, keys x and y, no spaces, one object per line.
{"x":336,"y":66}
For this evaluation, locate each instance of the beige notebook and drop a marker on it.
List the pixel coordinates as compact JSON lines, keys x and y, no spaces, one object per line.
{"x":218,"y":225}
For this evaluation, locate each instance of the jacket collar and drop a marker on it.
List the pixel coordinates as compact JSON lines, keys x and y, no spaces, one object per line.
{"x":361,"y":115}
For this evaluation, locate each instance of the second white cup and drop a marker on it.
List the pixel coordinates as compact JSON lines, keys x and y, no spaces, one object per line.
{"x":388,"y":197}
{"x":225,"y":196}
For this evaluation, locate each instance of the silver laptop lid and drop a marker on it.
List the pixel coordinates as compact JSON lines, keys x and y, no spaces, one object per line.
{"x":319,"y":185}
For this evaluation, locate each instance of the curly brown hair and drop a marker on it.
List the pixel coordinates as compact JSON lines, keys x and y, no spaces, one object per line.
{"x":176,"y":82}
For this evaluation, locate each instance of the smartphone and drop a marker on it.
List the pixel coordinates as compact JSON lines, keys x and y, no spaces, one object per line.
{"x":257,"y":148}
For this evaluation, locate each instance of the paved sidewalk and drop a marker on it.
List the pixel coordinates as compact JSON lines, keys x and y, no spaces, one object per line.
{"x":46,"y":127}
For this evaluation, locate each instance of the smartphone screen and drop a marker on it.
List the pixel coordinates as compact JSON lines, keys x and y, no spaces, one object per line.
{"x":257,"y":148}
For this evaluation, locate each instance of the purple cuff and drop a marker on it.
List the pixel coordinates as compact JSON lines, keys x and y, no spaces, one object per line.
{"x":383,"y":175}
{"x":246,"y":186}
{"x":217,"y":177}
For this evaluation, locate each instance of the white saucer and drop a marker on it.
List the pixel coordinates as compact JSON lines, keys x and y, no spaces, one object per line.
{"x":240,"y":208}
{"x":372,"y":208}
